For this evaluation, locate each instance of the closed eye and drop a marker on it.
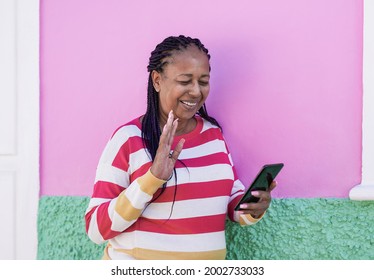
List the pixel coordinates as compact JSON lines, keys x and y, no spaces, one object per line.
{"x":184,"y":83}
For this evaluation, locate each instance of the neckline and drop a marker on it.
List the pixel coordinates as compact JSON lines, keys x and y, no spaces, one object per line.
{"x":194,"y":132}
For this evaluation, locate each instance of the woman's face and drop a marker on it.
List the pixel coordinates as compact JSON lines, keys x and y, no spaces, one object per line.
{"x":183,"y":86}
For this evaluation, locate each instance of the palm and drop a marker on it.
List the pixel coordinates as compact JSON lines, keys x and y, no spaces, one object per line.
{"x":165,"y":159}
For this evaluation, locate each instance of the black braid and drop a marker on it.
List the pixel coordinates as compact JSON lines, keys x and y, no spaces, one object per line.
{"x":151,"y":130}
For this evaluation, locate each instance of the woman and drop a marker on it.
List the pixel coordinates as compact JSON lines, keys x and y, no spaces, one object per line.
{"x":165,"y":182}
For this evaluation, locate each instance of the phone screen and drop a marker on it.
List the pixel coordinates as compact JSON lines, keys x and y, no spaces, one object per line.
{"x":262,"y":182}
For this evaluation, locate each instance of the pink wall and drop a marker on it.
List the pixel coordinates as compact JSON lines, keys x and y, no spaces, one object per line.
{"x":286,"y":84}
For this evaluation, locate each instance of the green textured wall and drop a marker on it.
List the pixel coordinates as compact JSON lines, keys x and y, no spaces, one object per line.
{"x":292,"y":229}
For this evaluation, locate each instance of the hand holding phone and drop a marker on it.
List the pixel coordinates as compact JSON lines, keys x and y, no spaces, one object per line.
{"x":262,"y":182}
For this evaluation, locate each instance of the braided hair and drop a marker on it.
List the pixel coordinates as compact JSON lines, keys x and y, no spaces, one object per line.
{"x":151,"y":130}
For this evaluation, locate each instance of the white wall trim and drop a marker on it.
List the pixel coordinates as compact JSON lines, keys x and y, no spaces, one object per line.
{"x":28,"y":88}
{"x":19,"y":128}
{"x":28,"y":95}
{"x":365,"y":190}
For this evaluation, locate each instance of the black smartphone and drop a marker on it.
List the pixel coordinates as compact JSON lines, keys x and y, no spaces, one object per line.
{"x":262,"y":182}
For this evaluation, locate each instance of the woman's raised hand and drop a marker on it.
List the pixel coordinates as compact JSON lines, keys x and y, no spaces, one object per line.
{"x":165,"y":159}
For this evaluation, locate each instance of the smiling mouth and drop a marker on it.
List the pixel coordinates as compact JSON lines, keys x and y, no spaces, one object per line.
{"x":190,"y":104}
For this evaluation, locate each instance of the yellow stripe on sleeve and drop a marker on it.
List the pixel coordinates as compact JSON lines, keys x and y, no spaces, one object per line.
{"x":149,"y":183}
{"x":125,"y":209}
{"x":247,"y":219}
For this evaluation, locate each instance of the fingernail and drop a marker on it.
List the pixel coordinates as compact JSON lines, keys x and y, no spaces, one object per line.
{"x":243,"y":206}
{"x":255,"y":193}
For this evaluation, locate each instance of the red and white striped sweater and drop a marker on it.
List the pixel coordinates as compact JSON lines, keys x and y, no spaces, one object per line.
{"x":193,"y":227}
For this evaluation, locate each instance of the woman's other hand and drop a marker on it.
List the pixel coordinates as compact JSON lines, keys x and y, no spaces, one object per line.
{"x":257,"y":209}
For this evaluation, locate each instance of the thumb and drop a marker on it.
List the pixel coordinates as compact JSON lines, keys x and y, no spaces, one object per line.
{"x":273,"y":185}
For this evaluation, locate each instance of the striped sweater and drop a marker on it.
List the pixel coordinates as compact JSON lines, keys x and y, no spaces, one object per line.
{"x":187,"y":221}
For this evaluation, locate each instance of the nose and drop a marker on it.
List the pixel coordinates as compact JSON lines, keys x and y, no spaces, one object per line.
{"x":195,"y":90}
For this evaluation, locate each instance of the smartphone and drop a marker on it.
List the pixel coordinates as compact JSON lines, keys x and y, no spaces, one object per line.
{"x":262,"y":182}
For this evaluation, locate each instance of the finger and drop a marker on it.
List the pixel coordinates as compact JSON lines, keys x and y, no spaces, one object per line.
{"x":173,"y":130}
{"x":165,"y":135}
{"x":169,"y":123}
{"x":251,"y":206}
{"x":253,"y":212}
{"x":163,"y":150}
{"x":172,"y":125}
{"x":262,"y":195}
{"x":259,"y":207}
{"x":264,"y":201}
{"x":170,"y":118}
{"x":273,"y":185}
{"x":178,"y":149}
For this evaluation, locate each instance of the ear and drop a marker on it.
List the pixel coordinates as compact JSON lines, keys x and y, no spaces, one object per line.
{"x":156,"y":78}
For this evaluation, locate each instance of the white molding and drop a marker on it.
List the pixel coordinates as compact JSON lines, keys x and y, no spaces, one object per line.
{"x":362,"y":192}
{"x":28,"y":128}
{"x":365,"y":190}
{"x":8,"y":108}
{"x":19,"y":152}
{"x":7,"y":189}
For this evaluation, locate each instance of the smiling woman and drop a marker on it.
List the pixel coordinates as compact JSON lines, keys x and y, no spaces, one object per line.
{"x":165,"y":182}
{"x":183,"y":87}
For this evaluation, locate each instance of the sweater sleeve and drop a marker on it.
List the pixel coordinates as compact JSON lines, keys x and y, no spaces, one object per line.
{"x":107,"y":217}
{"x":116,"y":203}
{"x":242,"y":219}
{"x":247,"y":219}
{"x":237,"y":190}
{"x":236,"y":194}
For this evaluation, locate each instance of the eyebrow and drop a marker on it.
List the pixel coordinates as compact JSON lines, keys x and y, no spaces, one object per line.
{"x":190,"y":75}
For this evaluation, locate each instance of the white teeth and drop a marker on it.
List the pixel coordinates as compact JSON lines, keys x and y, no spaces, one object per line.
{"x":189,"y":103}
